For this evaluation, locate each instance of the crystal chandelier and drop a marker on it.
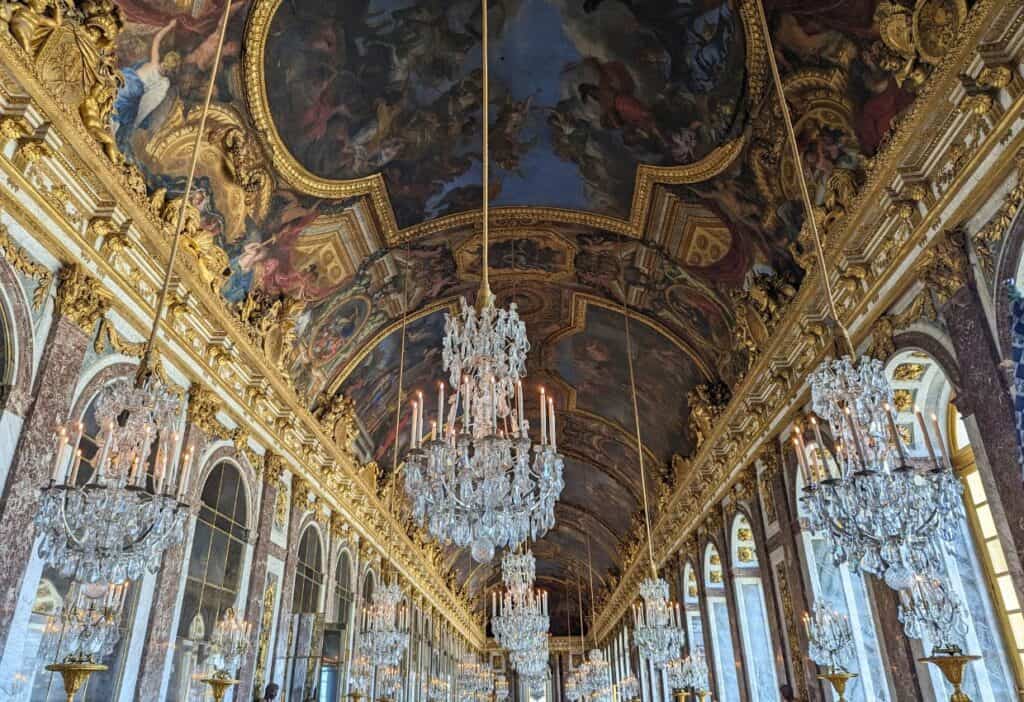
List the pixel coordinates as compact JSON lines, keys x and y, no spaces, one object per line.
{"x":478,"y":479}
{"x":86,"y":628}
{"x":829,"y":637}
{"x":691,"y":673}
{"x":230,"y":641}
{"x":572,"y":686}
{"x":880,"y":515}
{"x":360,"y":674}
{"x":629,"y":688}
{"x":929,"y":610}
{"x":437,"y":689}
{"x":114,"y":524}
{"x":520,"y":618}
{"x":657,"y":631}
{"x":595,"y":677}
{"x":385,"y":627}
{"x":500,"y":688}
{"x":389,"y":682}
{"x":473,"y":679}
{"x":129,"y":511}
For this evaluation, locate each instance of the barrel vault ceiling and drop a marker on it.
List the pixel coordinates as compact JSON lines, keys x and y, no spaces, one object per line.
{"x":637,"y":158}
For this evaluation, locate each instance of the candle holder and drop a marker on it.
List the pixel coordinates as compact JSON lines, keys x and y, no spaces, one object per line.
{"x":219,"y":681}
{"x":74,"y":674}
{"x":355,"y":695}
{"x":838,"y":678}
{"x":680,"y":695}
{"x":952,"y":662}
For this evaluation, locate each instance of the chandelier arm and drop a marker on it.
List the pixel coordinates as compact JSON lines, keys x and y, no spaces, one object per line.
{"x":802,"y":179}
{"x":636,"y":423}
{"x":161,"y":302}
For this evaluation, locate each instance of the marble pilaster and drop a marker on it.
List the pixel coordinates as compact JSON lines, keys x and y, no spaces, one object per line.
{"x":272,"y":468}
{"x":79,"y":304}
{"x":299,"y":507}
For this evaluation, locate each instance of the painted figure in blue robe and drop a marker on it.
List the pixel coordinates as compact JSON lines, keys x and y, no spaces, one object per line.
{"x":146,"y":85}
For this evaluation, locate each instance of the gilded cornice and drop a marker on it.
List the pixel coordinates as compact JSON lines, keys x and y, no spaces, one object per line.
{"x":201,"y":333}
{"x":257,"y":31}
{"x":881,"y":235}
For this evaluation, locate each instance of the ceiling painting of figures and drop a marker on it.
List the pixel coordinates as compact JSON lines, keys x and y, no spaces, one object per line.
{"x":582,"y":92}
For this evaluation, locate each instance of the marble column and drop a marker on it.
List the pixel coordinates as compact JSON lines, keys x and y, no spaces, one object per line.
{"x":273,"y":467}
{"x":983,"y":395}
{"x":80,"y":302}
{"x":160,"y":636}
{"x":704,"y":603}
{"x":300,"y":505}
{"x":787,"y":575}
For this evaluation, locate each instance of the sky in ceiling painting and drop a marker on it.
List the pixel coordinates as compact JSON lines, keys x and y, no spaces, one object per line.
{"x":582,"y":91}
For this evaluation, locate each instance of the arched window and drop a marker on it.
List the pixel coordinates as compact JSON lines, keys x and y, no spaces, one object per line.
{"x":976,"y":561}
{"x":343,"y":590}
{"x":691,"y":610}
{"x":847,"y":593}
{"x":757,"y":643}
{"x":7,"y":356}
{"x":309,"y":577}
{"x":723,"y":655}
{"x":368,"y":587}
{"x":52,"y":593}
{"x":214,"y":579}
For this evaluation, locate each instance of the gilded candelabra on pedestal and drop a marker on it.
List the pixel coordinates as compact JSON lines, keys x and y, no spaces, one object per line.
{"x":220,"y":682}
{"x":838,"y":678}
{"x":75,"y":673}
{"x":952,"y":662}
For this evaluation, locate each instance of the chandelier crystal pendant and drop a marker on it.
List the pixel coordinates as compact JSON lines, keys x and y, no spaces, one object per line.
{"x":114,"y":524}
{"x":880,"y":515}
{"x":119,"y":523}
{"x":478,"y":479}
{"x":385,"y":627}
{"x":519,"y":618}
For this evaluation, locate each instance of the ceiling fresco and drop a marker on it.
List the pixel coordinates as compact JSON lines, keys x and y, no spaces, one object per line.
{"x":636,"y":157}
{"x":583,"y":92}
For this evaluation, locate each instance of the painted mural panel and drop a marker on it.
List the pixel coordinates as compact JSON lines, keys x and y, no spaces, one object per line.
{"x":593,"y":361}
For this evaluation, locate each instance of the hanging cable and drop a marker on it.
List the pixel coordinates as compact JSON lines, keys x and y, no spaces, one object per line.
{"x":802,"y":180}
{"x":179,"y":225}
{"x":485,"y":296}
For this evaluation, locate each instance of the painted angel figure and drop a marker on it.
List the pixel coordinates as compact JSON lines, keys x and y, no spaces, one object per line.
{"x":146,"y":85}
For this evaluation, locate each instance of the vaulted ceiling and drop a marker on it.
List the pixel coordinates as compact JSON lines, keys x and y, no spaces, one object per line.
{"x":637,"y":157}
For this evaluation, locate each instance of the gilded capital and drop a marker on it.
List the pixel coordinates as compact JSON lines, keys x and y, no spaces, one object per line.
{"x":80,"y":297}
{"x":944,"y":266}
{"x":203,"y":406}
{"x":302,"y":491}
{"x":273,"y":470}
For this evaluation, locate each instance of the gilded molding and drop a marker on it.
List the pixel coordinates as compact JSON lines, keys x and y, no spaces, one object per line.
{"x":80,"y":297}
{"x":21,"y":262}
{"x":203,"y":406}
{"x":944,"y":266}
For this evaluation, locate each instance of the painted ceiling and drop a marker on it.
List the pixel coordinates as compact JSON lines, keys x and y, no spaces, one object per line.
{"x":637,"y":157}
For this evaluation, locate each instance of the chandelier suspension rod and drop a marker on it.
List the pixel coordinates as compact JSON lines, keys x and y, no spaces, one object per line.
{"x":161,"y":302}
{"x":590,"y":569}
{"x":636,"y":423}
{"x":579,"y":601}
{"x":802,"y":179}
{"x":485,"y":296}
{"x":398,"y":402}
